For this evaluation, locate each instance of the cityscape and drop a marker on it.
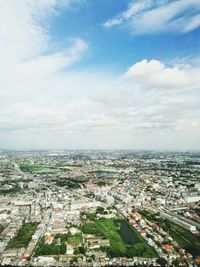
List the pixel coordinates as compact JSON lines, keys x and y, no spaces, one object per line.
{"x":99,"y":208}
{"x":99,"y":133}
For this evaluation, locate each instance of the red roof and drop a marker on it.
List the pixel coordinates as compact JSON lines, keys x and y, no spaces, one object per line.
{"x":24,"y":257}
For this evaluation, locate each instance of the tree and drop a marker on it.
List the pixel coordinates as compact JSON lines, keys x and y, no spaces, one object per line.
{"x":162,"y":262}
{"x":99,"y":210}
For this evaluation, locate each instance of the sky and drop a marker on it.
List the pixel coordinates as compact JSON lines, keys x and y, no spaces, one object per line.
{"x":100,"y":74}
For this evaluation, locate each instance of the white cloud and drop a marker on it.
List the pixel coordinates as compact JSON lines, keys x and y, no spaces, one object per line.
{"x":192,"y":24}
{"x":25,"y":44}
{"x":24,"y":29}
{"x":46,"y":103}
{"x":89,"y":110}
{"x":154,"y":74}
{"x":133,"y":9}
{"x":149,"y":16}
{"x":49,"y":64}
{"x":20,"y":31}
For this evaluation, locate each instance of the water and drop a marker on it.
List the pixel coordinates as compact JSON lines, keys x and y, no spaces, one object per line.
{"x":107,"y":174}
{"x":127,"y":234}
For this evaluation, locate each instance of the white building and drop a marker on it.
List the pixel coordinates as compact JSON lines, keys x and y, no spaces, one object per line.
{"x":193,"y":199}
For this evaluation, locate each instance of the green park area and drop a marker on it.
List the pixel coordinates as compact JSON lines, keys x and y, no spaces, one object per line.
{"x":25,"y":167}
{"x":40,"y":169}
{"x":24,"y":236}
{"x":124,"y":240}
{"x":183,"y":237}
{"x":58,"y":245}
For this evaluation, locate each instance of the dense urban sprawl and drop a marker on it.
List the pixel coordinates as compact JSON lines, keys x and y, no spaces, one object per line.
{"x":99,"y":208}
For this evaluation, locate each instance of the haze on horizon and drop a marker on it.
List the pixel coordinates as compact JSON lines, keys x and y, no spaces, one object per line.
{"x":82,"y":74}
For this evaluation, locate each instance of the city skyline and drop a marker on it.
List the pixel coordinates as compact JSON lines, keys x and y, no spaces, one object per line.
{"x":85,"y":75}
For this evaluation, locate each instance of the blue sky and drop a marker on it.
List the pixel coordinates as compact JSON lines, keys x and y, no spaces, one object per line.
{"x":117,"y":47}
{"x":82,"y":74}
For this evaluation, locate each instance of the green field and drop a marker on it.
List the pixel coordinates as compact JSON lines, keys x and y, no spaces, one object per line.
{"x":24,"y":236}
{"x":109,"y":228}
{"x":40,"y":169}
{"x":25,"y":167}
{"x":75,"y":239}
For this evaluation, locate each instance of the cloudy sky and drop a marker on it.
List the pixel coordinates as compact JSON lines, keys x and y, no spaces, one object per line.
{"x":85,"y":74}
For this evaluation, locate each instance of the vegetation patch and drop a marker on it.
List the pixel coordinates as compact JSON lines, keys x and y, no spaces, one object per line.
{"x":183,"y":237}
{"x":24,"y":236}
{"x":11,"y":191}
{"x":43,"y":249}
{"x":89,"y":216}
{"x":110,"y":229}
{"x":41,"y":169}
{"x":152,"y":217}
{"x":1,"y":228}
{"x":68,"y":183}
{"x":75,"y":239}
{"x":25,"y":167}
{"x":58,"y":245}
